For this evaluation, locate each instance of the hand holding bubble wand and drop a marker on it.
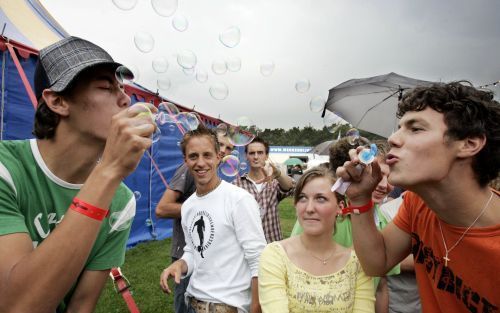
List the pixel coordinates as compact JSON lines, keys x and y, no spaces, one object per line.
{"x":167,"y":112}
{"x":366,"y":156}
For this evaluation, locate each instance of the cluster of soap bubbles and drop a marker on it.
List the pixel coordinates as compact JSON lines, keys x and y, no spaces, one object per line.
{"x":231,"y":165}
{"x":167,"y":116}
{"x":239,"y":135}
{"x":229,"y":38}
{"x":187,"y":60}
{"x":167,"y":113}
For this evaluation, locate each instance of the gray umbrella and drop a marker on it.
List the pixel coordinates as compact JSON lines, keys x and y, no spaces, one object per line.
{"x":323,"y":148}
{"x":371,"y":103}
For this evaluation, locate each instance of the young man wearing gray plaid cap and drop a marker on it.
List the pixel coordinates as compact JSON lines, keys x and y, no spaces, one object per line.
{"x":64,"y":212}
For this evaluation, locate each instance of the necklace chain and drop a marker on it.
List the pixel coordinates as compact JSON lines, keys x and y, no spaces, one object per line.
{"x":324,"y":261}
{"x":445,"y":258}
{"x":209,"y":191}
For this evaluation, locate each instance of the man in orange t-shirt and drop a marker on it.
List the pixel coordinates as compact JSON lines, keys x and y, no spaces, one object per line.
{"x":445,"y":153}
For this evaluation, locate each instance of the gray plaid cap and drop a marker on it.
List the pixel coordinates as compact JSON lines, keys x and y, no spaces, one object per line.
{"x":65,"y":59}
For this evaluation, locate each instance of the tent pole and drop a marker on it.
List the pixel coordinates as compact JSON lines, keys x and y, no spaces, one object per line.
{"x":2,"y":107}
{"x":20,"y":70}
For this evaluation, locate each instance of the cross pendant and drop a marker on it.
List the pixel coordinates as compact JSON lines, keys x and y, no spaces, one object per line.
{"x":324,"y":262}
{"x":446,"y":259}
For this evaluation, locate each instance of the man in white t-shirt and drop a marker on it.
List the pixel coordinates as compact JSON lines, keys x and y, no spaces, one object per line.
{"x":224,"y":236}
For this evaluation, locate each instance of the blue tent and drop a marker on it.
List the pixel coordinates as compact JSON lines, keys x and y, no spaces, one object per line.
{"x":28,"y":27}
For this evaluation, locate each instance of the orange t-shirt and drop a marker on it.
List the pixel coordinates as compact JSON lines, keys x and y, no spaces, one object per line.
{"x":471,"y":281}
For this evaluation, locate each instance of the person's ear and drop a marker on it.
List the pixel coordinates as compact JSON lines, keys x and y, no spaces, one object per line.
{"x":471,"y":146}
{"x":55,"y":102}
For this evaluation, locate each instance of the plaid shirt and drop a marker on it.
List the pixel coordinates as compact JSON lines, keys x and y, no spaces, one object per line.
{"x":268,"y":199}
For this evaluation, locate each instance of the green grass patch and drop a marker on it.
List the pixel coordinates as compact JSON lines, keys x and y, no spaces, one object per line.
{"x":144,"y":264}
{"x":287,"y":216}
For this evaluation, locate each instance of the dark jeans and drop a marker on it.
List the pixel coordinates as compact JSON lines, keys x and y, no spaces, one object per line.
{"x":179,"y":290}
{"x":190,"y":309}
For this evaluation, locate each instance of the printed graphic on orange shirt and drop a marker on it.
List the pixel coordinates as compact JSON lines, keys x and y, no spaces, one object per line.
{"x":448,"y":281}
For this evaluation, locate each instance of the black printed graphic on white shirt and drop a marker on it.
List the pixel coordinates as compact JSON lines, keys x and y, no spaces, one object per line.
{"x":202,"y":231}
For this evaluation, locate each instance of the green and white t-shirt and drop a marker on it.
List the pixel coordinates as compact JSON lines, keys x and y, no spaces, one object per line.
{"x":33,"y":200}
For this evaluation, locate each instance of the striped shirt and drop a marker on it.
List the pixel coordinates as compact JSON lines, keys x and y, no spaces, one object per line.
{"x":268,"y":198}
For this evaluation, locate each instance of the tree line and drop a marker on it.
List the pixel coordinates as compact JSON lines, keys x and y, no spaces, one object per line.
{"x":306,"y":136}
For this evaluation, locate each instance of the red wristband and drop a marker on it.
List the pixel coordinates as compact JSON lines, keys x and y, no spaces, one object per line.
{"x":88,"y":209}
{"x":358,"y":209}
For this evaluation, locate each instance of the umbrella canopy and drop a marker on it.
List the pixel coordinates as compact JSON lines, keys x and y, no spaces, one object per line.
{"x":371,"y":103}
{"x":293,"y":161}
{"x":323,"y":148}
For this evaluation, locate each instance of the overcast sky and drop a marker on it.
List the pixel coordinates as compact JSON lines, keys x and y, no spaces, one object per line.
{"x":325,"y":42}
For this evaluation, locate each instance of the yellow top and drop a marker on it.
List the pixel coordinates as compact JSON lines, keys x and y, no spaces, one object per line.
{"x":284,"y":287}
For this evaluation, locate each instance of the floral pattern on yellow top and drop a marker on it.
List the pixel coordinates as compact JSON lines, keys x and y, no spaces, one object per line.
{"x":284,"y":287}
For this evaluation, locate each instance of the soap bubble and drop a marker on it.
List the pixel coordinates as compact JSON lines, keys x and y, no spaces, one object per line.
{"x":333,"y":122}
{"x":219,"y":66}
{"x":135,"y":71}
{"x":169,"y":108}
{"x":144,"y":42}
{"x":201,"y":75}
{"x":189,"y":71}
{"x":143,"y":110}
{"x":221,"y":129}
{"x":243,"y":166}
{"x":233,"y":64}
{"x":239,"y":137}
{"x":121,"y":220}
{"x":137,"y":195}
{"x":163,"y":83}
{"x":125,"y":5}
{"x":124,"y":75}
{"x":317,"y":104}
{"x":236,"y":153}
{"x":230,"y":165}
{"x":302,"y":85}
{"x":219,"y":91}
{"x":230,"y":37}
{"x":244,"y":121}
{"x":188,"y":121}
{"x":267,"y":68}
{"x":352,"y":136}
{"x":186,"y":59}
{"x":164,"y":7}
{"x":160,"y":65}
{"x":180,"y":22}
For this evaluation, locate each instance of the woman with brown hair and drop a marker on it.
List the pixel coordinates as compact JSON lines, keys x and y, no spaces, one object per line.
{"x":311,"y":272}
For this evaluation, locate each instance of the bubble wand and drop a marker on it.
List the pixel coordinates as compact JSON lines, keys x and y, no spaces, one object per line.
{"x":366,"y":157}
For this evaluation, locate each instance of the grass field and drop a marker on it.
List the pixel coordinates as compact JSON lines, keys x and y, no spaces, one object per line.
{"x":144,"y":264}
